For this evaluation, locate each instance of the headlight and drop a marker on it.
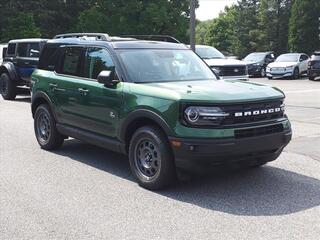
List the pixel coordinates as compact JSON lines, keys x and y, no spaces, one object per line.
{"x":200,"y":116}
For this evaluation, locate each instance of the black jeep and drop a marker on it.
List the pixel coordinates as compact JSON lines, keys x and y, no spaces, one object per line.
{"x":314,"y":66}
{"x":20,"y":60}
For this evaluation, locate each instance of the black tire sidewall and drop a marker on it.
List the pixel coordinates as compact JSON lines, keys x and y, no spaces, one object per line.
{"x":56,"y":139}
{"x":11,"y":92}
{"x":264,"y":71}
{"x":296,"y":73}
{"x":166,"y":173}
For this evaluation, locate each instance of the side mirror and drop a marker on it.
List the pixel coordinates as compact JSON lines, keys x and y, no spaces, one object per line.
{"x":107,"y":78}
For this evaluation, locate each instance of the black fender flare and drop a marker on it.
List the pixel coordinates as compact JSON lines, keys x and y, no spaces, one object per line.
{"x":9,"y":67}
{"x":146,"y":114}
{"x":44,"y":97}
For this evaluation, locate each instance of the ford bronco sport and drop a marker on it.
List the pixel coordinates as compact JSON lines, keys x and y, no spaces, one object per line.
{"x":157,"y":102}
{"x":20,"y":60}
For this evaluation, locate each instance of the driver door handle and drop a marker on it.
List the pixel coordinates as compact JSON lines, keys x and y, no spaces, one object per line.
{"x":83,"y":91}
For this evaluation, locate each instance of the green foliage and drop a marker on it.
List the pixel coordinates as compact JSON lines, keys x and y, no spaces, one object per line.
{"x":116,"y":17}
{"x":21,"y":25}
{"x":304,"y":23}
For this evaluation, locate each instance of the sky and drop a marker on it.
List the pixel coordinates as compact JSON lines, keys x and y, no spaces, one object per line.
{"x":210,"y":9}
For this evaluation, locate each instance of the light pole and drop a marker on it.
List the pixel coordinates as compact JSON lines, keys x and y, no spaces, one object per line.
{"x":193,"y":25}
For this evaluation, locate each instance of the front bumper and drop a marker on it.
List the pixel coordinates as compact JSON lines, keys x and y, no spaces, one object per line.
{"x":314,"y":73}
{"x":221,"y":151}
{"x":254,"y":70}
{"x":279,"y":75}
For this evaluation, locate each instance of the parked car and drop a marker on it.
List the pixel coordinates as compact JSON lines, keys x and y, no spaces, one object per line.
{"x":224,"y":67}
{"x":156,"y":102}
{"x":288,"y":65}
{"x":314,"y":66}
{"x":19,"y":62}
{"x":257,"y":63}
{"x":3,"y":50}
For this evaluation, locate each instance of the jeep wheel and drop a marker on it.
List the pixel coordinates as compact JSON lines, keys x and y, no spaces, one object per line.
{"x":262,"y":72}
{"x":45,"y":129}
{"x":311,"y":78}
{"x":8,"y":88}
{"x":270,"y":78}
{"x":296,"y":73}
{"x":151,"y":159}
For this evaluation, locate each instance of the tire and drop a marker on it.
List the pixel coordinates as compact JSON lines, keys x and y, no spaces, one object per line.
{"x":262,"y":72}
{"x":8,"y":88}
{"x":311,"y":78}
{"x":296,"y":73}
{"x":45,"y":129}
{"x":270,"y":78}
{"x":151,"y":158}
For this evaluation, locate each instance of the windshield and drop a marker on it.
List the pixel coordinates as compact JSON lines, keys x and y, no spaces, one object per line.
{"x":288,"y":58}
{"x":209,"y":53}
{"x":162,"y":65}
{"x":255,"y":57}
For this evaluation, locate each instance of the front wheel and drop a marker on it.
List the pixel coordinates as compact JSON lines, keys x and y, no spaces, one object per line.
{"x":8,"y":87}
{"x":296,"y":73}
{"x":45,"y":129}
{"x":151,"y":158}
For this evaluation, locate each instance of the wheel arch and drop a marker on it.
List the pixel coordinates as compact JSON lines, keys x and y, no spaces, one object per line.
{"x":140,"y":118}
{"x":10,"y":69}
{"x":38,"y":99}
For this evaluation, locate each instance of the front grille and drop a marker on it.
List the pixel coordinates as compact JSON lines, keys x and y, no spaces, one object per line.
{"x":314,"y":64}
{"x":252,"y":107}
{"x":233,"y":71}
{"x":259,"y":131}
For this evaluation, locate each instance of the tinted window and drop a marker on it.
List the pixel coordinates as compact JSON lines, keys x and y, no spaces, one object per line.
{"x":97,"y":60}
{"x":33,"y":50}
{"x":304,"y":57}
{"x":71,"y":61}
{"x":22,"y":49}
{"x":11,"y":49}
{"x":49,"y":58}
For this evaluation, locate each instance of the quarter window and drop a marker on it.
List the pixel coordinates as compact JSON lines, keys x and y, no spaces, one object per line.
{"x":11,"y":49}
{"x":71,"y":62}
{"x":97,"y":60}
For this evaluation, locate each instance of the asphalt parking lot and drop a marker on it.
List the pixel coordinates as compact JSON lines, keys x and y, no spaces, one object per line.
{"x":84,"y":192}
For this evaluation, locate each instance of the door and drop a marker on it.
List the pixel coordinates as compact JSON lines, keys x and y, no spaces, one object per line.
{"x":98,"y":107}
{"x":303,"y":63}
{"x":63,"y":84}
{"x":27,"y":59}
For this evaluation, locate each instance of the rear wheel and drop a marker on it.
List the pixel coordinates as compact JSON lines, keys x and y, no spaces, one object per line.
{"x":151,"y":158}
{"x":263,"y":72}
{"x":8,"y":88}
{"x":270,"y":78}
{"x":45,"y":129}
{"x":311,"y":78}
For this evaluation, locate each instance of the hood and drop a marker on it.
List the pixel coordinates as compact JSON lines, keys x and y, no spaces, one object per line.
{"x":282,"y":64}
{"x":210,"y":91}
{"x":224,"y":62}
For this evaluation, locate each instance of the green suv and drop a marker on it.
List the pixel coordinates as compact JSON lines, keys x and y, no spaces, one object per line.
{"x":157,"y":102}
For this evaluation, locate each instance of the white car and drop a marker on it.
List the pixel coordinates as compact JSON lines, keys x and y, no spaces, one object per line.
{"x":3,"y":50}
{"x":288,"y":65}
{"x":224,"y":67}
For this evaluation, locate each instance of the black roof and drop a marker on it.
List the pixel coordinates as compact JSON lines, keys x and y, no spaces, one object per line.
{"x":119,"y":43}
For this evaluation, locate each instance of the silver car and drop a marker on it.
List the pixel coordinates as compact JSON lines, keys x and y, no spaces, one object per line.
{"x":288,"y":65}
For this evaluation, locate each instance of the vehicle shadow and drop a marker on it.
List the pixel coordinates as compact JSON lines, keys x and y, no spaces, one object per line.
{"x":266,"y":191}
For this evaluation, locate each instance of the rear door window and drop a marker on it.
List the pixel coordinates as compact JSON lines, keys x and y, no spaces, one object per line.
{"x":33,"y":50}
{"x":71,"y":63}
{"x":49,"y":58}
{"x":22,"y":49}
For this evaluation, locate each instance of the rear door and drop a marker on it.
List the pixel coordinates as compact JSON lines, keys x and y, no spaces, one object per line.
{"x":27,"y":59}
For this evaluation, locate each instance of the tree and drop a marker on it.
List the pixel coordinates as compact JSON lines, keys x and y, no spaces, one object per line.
{"x":22,"y":25}
{"x":304,"y":26}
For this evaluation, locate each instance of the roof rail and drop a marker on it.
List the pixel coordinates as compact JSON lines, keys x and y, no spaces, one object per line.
{"x":161,"y":38}
{"x":97,"y":36}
